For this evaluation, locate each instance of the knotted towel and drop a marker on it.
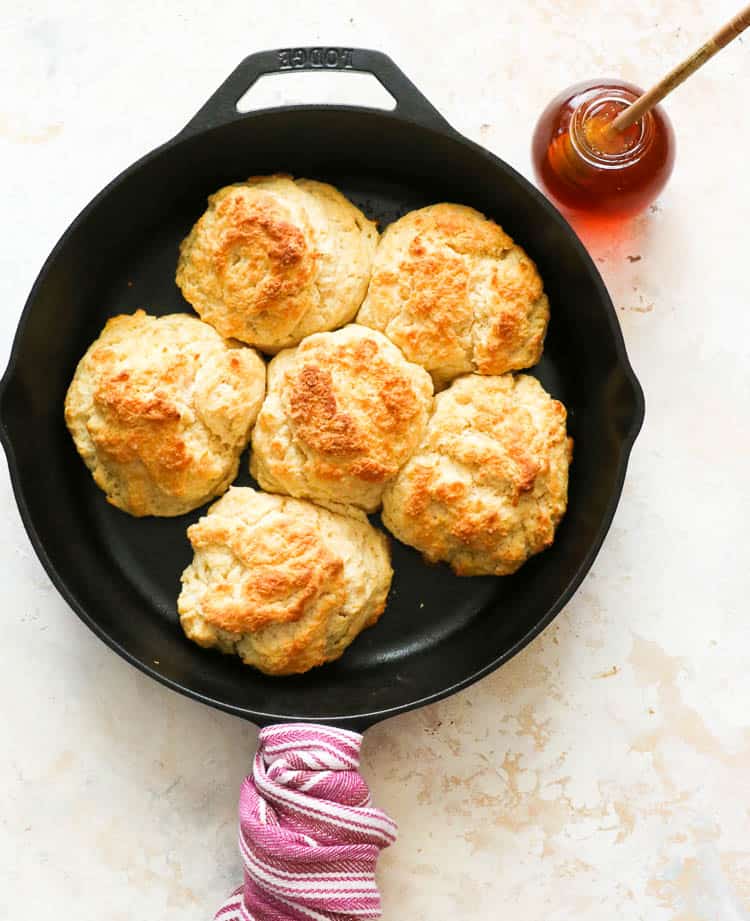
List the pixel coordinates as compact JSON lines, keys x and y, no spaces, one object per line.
{"x":308,"y":836}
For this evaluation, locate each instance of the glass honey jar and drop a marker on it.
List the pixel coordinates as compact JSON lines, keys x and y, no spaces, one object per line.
{"x":587,"y":167}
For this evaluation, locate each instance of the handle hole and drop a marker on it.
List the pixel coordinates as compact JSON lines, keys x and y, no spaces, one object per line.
{"x":321,"y":87}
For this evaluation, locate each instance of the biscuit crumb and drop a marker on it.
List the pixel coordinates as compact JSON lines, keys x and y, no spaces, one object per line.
{"x":610,"y":673}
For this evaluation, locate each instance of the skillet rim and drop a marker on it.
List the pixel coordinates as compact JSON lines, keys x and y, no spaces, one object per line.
{"x":358,"y":721}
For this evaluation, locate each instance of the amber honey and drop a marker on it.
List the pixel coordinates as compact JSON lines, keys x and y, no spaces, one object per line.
{"x":586,"y":167}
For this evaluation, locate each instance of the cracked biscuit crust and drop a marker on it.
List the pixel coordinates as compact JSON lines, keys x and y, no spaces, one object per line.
{"x":488,"y":484}
{"x":344,"y":412}
{"x":274,"y":259}
{"x":456,"y":294}
{"x":282,"y":583}
{"x":160,"y":409}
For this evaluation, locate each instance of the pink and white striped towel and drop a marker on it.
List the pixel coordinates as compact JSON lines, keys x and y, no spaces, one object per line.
{"x":308,"y":836}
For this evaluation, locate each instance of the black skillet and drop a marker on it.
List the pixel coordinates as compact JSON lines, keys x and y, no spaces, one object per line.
{"x":121,"y":574}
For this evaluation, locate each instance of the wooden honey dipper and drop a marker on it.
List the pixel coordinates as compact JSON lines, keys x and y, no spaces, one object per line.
{"x":604,"y":148}
{"x":731,"y":30}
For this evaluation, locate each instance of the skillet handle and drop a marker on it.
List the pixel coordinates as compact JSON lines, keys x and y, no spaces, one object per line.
{"x":308,"y":836}
{"x":410,"y":103}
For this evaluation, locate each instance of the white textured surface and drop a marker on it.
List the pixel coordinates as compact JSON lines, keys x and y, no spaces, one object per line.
{"x":605,"y":772}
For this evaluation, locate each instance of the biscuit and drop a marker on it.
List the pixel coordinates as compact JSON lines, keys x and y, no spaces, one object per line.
{"x":488,"y":483}
{"x":274,"y":259}
{"x":160,"y":409}
{"x":282,"y":583}
{"x":456,"y":294}
{"x":343,"y":413}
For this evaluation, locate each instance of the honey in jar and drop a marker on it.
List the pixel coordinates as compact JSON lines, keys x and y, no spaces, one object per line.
{"x":587,"y":167}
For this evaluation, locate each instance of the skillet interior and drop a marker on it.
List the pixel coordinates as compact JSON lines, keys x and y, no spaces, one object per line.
{"x":121,"y":575}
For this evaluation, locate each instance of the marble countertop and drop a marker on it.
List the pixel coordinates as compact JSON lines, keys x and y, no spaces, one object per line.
{"x":603,"y":773}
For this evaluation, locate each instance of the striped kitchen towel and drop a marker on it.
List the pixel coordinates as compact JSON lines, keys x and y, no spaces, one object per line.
{"x":308,"y":836}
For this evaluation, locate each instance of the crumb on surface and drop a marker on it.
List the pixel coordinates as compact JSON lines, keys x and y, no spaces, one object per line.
{"x":610,"y":673}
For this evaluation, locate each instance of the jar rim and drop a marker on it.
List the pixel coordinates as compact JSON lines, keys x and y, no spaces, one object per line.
{"x":586,"y":109}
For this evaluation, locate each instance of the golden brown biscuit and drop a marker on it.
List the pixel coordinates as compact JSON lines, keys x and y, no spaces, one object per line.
{"x":343,"y":413}
{"x":160,"y":409}
{"x":488,"y":483}
{"x":282,"y":583}
{"x":274,"y":259}
{"x":455,"y":294}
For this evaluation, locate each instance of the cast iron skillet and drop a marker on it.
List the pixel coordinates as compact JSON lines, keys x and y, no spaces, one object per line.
{"x":121,"y":574}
